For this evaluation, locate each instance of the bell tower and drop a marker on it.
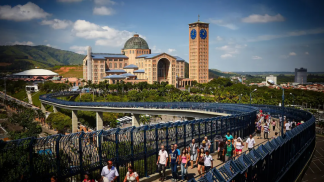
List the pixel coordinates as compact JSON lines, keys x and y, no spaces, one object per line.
{"x":199,"y":51}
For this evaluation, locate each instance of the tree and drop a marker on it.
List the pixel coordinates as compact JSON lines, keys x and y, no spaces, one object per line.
{"x":60,"y":122}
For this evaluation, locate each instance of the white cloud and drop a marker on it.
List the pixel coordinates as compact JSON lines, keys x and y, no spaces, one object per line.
{"x":103,"y":10}
{"x":171,"y":50}
{"x":57,"y":24}
{"x":224,"y":56}
{"x":218,"y":38}
{"x":292,"y":54}
{"x":79,"y":49}
{"x":21,"y":43}
{"x":25,"y":12}
{"x":231,"y":49}
{"x":289,"y":34}
{"x":223,"y":24}
{"x":104,"y":2}
{"x":156,"y":50}
{"x":306,"y":53}
{"x":105,"y":35}
{"x":68,"y":1}
{"x":256,"y":57}
{"x":263,"y":18}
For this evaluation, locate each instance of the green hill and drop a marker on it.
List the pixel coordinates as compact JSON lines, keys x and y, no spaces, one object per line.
{"x":213,"y":73}
{"x":21,"y":57}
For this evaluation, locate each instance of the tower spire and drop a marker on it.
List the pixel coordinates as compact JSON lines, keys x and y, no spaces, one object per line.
{"x":198,"y":17}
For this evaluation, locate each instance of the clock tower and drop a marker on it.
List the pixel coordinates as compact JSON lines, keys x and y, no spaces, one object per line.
{"x":199,"y":51}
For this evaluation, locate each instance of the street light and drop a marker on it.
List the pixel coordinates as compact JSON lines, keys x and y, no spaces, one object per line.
{"x":271,"y":82}
{"x":251,"y":96}
{"x":293,"y":98}
{"x":240,"y":98}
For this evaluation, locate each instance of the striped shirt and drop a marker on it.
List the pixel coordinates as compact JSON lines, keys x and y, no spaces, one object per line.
{"x":266,"y":128}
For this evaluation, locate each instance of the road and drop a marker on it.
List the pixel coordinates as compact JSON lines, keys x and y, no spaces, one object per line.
{"x":315,"y":171}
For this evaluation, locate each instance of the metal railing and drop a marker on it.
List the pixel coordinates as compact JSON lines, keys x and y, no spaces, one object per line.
{"x":70,"y":155}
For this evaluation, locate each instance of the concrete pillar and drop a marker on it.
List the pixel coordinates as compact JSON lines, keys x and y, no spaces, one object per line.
{"x":99,"y":120}
{"x":43,"y":108}
{"x":55,"y":109}
{"x":135,"y":120}
{"x":74,"y":121}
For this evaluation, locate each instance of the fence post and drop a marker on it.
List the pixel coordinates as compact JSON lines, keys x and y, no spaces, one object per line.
{"x":145,"y":152}
{"x":192,"y":129}
{"x":167,"y":137}
{"x":132,"y":145}
{"x":100,"y":148}
{"x":221,"y":129}
{"x":31,"y":152}
{"x":184,"y":135}
{"x":57,"y":150}
{"x":80,"y":152}
{"x":199,"y":131}
{"x":176,"y":134}
{"x":117,"y":155}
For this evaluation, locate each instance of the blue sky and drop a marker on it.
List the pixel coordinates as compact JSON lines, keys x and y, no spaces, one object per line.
{"x":244,"y":35}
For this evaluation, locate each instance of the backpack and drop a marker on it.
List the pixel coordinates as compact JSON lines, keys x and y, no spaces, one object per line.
{"x":293,"y":124}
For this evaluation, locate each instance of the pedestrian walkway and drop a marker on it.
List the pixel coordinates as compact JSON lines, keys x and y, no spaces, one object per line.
{"x":193,"y":173}
{"x":316,"y":167}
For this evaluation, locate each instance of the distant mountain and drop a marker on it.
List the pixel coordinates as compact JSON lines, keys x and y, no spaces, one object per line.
{"x":21,"y":57}
{"x":213,"y":73}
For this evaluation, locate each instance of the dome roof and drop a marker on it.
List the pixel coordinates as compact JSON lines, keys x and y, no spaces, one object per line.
{"x":136,"y":42}
{"x":36,"y":72}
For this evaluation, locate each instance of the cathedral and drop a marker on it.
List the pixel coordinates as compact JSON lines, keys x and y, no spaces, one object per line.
{"x":136,"y":63}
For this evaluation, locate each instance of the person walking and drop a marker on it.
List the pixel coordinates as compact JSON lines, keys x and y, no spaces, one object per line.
{"x":228,"y":136}
{"x":193,"y":152}
{"x":184,"y":164}
{"x":229,"y":150}
{"x":293,"y":124}
{"x":266,"y":131}
{"x":200,"y":161}
{"x":131,"y":176}
{"x":162,"y":162}
{"x":250,"y":143}
{"x":208,"y":143}
{"x":203,"y":145}
{"x":287,"y":126}
{"x":273,"y":125}
{"x":208,"y":163}
{"x":259,"y":127}
{"x":239,"y":146}
{"x":173,"y":161}
{"x":221,"y":147}
{"x":110,"y":172}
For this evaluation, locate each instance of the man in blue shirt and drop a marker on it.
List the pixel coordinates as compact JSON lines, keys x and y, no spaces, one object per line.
{"x":228,"y":136}
{"x":174,"y":156}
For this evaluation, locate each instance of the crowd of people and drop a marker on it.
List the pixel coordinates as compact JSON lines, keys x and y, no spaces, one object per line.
{"x":193,"y":155}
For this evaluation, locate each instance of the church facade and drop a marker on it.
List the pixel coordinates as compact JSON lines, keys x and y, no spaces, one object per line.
{"x":136,"y":63}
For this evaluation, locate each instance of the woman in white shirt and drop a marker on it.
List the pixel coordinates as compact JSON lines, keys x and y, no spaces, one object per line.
{"x":131,"y":176}
{"x":239,"y":146}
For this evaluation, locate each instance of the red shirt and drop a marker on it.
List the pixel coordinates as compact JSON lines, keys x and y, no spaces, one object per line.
{"x":90,"y":180}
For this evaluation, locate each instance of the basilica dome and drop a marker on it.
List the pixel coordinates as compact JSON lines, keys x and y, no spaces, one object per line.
{"x":136,"y":42}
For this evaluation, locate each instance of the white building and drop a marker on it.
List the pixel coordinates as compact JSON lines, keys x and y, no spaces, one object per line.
{"x":271,"y":77}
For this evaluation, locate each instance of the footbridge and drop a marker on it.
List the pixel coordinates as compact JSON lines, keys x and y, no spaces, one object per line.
{"x":188,"y":109}
{"x":70,"y":156}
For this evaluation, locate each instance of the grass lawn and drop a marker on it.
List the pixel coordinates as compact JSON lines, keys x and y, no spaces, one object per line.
{"x":21,"y":95}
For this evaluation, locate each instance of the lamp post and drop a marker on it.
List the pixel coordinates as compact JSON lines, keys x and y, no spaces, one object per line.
{"x":251,"y":96}
{"x":271,"y":82}
{"x":293,"y":98}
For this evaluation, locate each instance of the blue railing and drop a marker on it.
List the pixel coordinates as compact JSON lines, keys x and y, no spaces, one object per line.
{"x":70,"y":155}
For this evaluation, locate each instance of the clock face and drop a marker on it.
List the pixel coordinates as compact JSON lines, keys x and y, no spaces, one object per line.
{"x":203,"y":33}
{"x":193,"y":33}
